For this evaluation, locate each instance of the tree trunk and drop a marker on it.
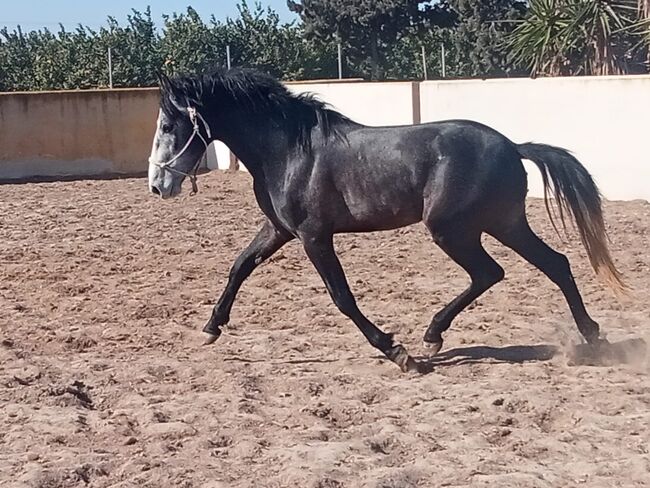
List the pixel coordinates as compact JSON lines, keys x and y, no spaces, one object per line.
{"x":644,"y":14}
{"x":644,"y":8}
{"x":604,"y":62}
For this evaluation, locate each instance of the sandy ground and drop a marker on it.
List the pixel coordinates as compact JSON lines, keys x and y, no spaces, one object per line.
{"x":103,"y":381}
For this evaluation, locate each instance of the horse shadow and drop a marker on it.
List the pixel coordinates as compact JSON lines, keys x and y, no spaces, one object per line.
{"x":629,"y":351}
{"x":486,"y":354}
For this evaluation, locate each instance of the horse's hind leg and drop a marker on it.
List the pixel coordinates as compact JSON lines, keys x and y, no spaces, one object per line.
{"x":463,"y":245}
{"x":521,"y":239}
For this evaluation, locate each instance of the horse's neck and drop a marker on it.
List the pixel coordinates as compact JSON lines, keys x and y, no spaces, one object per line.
{"x":255,"y":146}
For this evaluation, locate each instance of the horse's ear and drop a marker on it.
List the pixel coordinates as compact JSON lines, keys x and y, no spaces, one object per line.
{"x":171,"y":91}
{"x":164,"y":81}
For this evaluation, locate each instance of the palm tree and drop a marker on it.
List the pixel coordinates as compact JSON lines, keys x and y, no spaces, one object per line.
{"x":536,"y":42}
{"x":580,"y":36}
{"x":644,"y":8}
{"x":599,"y":23}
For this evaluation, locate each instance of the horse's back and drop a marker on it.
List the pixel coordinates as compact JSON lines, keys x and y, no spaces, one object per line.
{"x":437,"y":170}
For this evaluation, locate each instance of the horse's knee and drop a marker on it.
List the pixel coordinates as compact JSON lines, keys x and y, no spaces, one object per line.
{"x":489,"y":276}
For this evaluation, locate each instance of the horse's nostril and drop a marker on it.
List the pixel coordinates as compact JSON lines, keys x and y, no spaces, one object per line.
{"x":155,"y":190}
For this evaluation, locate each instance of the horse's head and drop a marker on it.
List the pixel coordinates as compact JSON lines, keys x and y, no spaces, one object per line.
{"x":182,"y":136}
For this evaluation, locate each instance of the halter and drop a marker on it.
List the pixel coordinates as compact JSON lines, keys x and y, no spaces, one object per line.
{"x":195,"y":117}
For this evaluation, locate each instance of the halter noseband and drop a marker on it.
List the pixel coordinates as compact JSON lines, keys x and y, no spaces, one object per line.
{"x":195,"y":117}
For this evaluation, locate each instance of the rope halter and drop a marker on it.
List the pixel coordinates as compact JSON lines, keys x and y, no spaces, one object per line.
{"x":195,"y":118}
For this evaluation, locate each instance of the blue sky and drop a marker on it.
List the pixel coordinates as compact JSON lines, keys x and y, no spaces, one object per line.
{"x":35,"y":14}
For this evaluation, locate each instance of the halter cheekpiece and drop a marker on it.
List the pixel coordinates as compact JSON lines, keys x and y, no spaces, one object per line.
{"x":195,"y":118}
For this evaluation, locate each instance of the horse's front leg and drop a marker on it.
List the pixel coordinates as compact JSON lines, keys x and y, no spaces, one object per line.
{"x":320,"y":251}
{"x":267,"y":241}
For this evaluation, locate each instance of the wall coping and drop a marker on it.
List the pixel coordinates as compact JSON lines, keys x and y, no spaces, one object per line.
{"x":92,"y":91}
{"x":540,"y":79}
{"x":325,"y":81}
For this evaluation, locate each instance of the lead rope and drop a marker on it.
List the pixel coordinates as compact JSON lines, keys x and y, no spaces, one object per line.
{"x":195,"y":117}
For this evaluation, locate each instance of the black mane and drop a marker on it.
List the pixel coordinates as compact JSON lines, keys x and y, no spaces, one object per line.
{"x":260,"y":96}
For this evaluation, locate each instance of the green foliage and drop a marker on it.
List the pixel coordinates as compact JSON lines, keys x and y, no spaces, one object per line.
{"x":136,"y":51}
{"x":188,"y":44}
{"x":568,"y":37}
{"x":257,"y":38}
{"x":17,"y":53}
{"x":381,"y":39}
{"x":478,"y":37}
{"x":366,"y":28}
{"x":42,"y":60}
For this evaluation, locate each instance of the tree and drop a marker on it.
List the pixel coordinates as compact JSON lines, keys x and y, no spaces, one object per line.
{"x":44,"y":60}
{"x":364,"y":27}
{"x":17,"y":55}
{"x":189,"y":45}
{"x":65,"y":60}
{"x":136,"y":49}
{"x":478,"y":36}
{"x":383,"y":38}
{"x":472,"y":32}
{"x":595,"y":37}
{"x":258,"y":39}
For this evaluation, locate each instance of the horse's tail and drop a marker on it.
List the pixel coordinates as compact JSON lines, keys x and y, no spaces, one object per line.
{"x":576,"y":194}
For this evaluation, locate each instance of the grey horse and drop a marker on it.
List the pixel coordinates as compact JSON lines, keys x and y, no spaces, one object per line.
{"x":317,"y":173}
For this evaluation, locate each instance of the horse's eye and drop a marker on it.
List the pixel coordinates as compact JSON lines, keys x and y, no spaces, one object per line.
{"x":167,"y":128}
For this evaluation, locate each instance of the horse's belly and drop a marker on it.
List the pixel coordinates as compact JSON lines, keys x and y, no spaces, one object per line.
{"x":381,"y":210}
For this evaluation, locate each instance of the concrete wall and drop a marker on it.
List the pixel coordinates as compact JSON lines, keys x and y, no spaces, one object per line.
{"x":604,"y":121}
{"x":394,"y":103}
{"x":76,"y":132}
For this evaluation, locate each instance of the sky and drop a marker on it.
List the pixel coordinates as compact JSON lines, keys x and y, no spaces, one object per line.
{"x":35,"y":14}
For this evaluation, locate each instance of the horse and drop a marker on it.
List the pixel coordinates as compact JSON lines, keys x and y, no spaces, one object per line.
{"x":317,"y":173}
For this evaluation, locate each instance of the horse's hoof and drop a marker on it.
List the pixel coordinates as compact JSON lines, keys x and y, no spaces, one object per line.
{"x":433,"y":347}
{"x":405,"y":362}
{"x":211,"y":338}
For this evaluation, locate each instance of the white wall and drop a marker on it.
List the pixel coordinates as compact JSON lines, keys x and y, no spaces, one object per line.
{"x":604,"y":121}
{"x":368,"y":103}
{"x":218,"y":156}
